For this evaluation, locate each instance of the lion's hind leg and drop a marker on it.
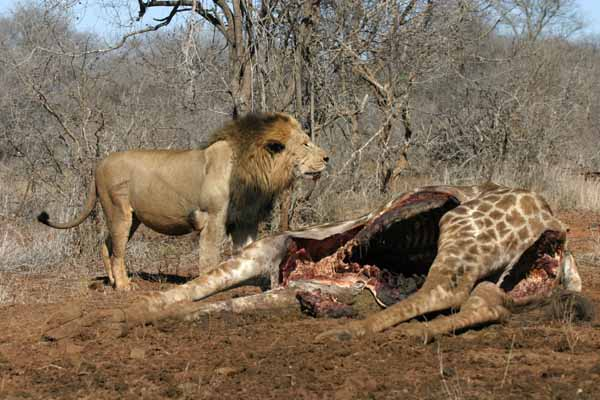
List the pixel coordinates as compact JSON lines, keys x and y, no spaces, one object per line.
{"x":122,"y":227}
{"x":106,"y":255}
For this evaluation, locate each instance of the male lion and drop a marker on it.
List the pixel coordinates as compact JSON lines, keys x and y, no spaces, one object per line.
{"x":227,"y":186}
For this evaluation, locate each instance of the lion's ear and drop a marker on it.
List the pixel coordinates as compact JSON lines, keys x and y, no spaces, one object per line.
{"x":274,"y":147}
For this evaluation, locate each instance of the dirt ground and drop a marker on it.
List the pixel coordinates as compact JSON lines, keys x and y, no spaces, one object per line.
{"x":273,"y":355}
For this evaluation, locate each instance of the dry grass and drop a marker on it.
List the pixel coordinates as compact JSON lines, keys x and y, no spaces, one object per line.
{"x":452,"y":388}
{"x":570,"y":191}
{"x":561,"y":185}
{"x":26,"y":247}
{"x":571,"y":333}
{"x":31,"y":251}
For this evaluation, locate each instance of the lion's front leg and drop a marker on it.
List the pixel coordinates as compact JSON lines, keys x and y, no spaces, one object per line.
{"x":211,"y":240}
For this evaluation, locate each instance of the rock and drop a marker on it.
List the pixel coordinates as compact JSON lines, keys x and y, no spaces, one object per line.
{"x":137,"y":353}
{"x":228,"y":371}
{"x":71,"y":348}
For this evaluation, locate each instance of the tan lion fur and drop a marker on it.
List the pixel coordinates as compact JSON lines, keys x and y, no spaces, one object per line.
{"x":225,"y":187}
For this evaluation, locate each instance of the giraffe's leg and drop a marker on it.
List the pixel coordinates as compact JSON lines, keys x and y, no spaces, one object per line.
{"x":252,"y":263}
{"x":485,"y":305}
{"x":249,"y":265}
{"x":116,"y":322}
{"x":437,"y":294}
{"x":191,"y":311}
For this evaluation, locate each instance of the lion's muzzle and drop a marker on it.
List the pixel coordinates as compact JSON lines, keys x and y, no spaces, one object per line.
{"x":313,"y":163}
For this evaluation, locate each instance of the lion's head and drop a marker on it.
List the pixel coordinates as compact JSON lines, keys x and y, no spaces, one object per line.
{"x":271,"y":150}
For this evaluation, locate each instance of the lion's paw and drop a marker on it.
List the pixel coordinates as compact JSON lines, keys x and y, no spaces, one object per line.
{"x":127,"y":287}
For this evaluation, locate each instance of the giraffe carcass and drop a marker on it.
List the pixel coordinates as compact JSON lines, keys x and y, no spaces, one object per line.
{"x":480,"y":250}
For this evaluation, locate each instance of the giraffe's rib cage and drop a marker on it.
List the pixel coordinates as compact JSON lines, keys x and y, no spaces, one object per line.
{"x":391,"y":253}
{"x":404,"y":238}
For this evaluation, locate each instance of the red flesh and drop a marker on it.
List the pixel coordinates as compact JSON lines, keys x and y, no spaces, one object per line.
{"x":536,"y":272}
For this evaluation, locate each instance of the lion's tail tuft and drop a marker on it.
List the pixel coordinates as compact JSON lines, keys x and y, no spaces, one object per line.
{"x":90,"y":203}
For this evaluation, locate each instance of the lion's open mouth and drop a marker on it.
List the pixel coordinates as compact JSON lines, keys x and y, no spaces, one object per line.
{"x":391,"y":255}
{"x":312,"y":175}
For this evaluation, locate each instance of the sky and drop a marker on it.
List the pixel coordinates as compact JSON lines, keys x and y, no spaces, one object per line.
{"x":93,"y":18}
{"x":590,"y":11}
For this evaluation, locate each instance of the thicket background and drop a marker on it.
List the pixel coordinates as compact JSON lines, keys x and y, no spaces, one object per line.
{"x":400,"y":93}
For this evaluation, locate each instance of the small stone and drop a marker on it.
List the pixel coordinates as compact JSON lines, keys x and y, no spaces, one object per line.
{"x":137,"y":353}
{"x":188,"y":388}
{"x":75,"y":360}
{"x":228,"y":371}
{"x":4,"y":360}
{"x":96,"y":285}
{"x":172,"y":392}
{"x":71,"y":348}
{"x":448,"y":372}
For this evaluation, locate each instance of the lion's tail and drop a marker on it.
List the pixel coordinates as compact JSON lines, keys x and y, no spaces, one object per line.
{"x":90,"y":203}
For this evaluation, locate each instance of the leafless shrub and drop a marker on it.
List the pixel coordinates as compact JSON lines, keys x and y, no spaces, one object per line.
{"x":401,"y":94}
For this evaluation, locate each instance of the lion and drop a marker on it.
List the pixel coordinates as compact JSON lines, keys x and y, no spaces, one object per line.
{"x":225,"y":187}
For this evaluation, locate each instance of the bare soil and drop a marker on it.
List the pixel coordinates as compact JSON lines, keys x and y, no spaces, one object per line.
{"x":273,"y":354}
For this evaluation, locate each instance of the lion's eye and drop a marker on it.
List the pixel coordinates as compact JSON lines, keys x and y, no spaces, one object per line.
{"x":275,"y":147}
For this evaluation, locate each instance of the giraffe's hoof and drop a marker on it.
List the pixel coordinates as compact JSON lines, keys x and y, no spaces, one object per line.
{"x":352,"y":330}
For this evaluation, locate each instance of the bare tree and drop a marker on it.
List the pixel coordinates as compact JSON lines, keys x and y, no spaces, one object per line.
{"x":465,"y":87}
{"x":237,"y":21}
{"x":529,"y":19}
